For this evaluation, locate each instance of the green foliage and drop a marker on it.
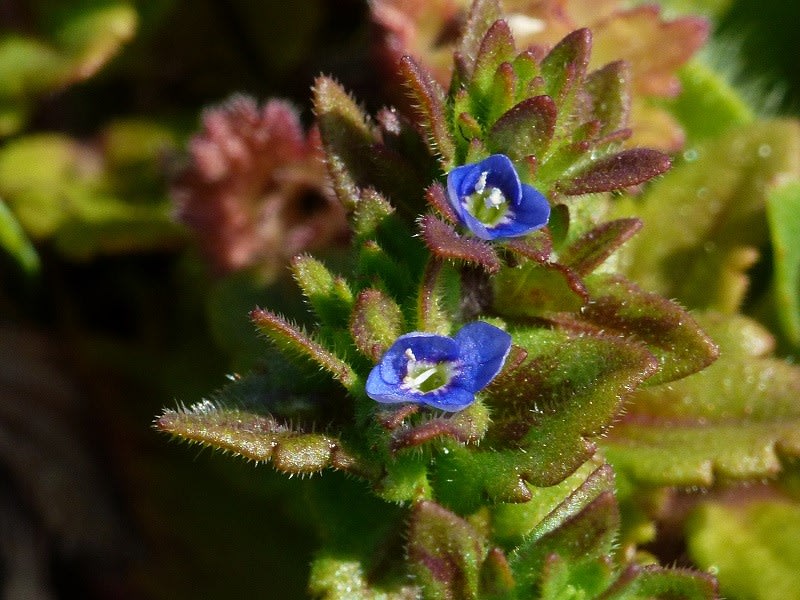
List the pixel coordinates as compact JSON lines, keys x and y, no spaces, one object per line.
{"x":751,"y":548}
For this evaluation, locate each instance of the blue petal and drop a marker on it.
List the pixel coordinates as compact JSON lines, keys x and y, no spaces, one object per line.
{"x":503,"y":175}
{"x":460,"y":183}
{"x":483,"y":349}
{"x":450,"y":398}
{"x":386,"y":392}
{"x":424,"y":346}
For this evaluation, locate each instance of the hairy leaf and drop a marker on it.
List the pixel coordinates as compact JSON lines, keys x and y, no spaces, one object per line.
{"x":525,"y":130}
{"x":256,"y":437}
{"x":444,"y":552}
{"x":328,"y":294}
{"x":591,"y":249}
{"x":625,"y":169}
{"x":430,"y":107}
{"x":733,"y":420}
{"x":542,"y":414}
{"x":443,"y":241}
{"x":618,"y":307}
{"x":537,"y":289}
{"x":346,"y":136}
{"x":376,"y":323}
{"x":290,"y":339}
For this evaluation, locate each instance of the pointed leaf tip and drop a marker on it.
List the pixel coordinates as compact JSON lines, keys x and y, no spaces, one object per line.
{"x":625,"y":169}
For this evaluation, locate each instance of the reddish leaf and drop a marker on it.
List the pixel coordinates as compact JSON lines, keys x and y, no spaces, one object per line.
{"x":537,"y":289}
{"x":430,"y":107}
{"x":627,"y":168}
{"x":526,"y":129}
{"x":445,"y":552}
{"x":444,"y":242}
{"x":481,"y":16}
{"x":537,"y":246}
{"x":595,"y":246}
{"x":437,"y":200}
{"x":609,"y":89}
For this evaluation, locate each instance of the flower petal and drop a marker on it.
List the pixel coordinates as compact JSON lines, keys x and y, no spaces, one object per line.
{"x":451,"y":398}
{"x":503,"y":175}
{"x":483,"y":349}
{"x":531,"y":214}
{"x":424,"y":346}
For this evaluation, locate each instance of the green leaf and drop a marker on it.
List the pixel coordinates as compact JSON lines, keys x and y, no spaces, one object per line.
{"x":328,"y":294}
{"x":14,"y":241}
{"x":256,"y":437}
{"x":346,"y":136}
{"x":537,"y":289}
{"x":704,"y":219}
{"x":609,"y":89}
{"x":707,"y":106}
{"x":429,"y":103}
{"x":291,"y":340}
{"x":525,"y":130}
{"x":445,"y":553}
{"x":734,"y":420}
{"x":752,"y":548}
{"x":590,"y":250}
{"x":543,"y":413}
{"x":376,"y":323}
{"x":482,"y":14}
{"x":783,"y":216}
{"x":652,"y":582}
{"x":619,"y":307}
{"x":566,"y":550}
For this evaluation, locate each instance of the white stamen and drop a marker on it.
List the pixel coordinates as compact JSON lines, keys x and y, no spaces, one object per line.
{"x":421,"y":378}
{"x":494,"y":199}
{"x":410,"y":355}
{"x":480,"y":185}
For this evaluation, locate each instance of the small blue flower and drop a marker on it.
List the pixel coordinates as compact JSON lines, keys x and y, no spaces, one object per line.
{"x":440,"y":371}
{"x":490,"y":200}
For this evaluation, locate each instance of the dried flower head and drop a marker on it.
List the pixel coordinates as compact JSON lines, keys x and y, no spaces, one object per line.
{"x":254,"y":189}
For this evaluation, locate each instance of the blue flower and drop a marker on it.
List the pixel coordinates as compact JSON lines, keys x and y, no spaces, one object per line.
{"x":440,"y":371}
{"x":490,"y":200}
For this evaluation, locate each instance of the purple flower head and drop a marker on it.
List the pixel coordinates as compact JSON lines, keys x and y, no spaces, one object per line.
{"x":442,"y":372}
{"x":492,"y":203}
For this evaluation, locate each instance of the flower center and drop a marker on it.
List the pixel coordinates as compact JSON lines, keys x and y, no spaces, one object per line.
{"x":487,"y":204}
{"x":425,"y":376}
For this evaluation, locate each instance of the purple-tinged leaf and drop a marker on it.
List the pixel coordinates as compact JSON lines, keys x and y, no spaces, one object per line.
{"x":376,"y":323}
{"x":525,"y":130}
{"x":497,"y":47}
{"x":430,"y":107}
{"x":652,"y":581}
{"x":346,"y":136}
{"x":437,"y":200}
{"x":497,"y":579}
{"x":502,"y":92}
{"x":482,"y":14}
{"x":465,"y":427}
{"x":738,"y":419}
{"x":619,"y":307}
{"x":543,"y":415}
{"x":256,"y":437}
{"x":625,"y":169}
{"x":609,"y":90}
{"x":537,"y":246}
{"x":443,"y":241}
{"x":537,"y":289}
{"x":468,"y":126}
{"x":445,"y":553}
{"x":565,"y":66}
{"x":592,"y":248}
{"x":579,"y":531}
{"x":290,"y":339}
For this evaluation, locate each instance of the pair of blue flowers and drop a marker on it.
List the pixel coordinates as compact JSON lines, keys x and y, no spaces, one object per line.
{"x":489,"y":199}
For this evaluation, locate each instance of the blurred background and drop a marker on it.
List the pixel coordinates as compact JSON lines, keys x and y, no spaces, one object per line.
{"x":111,"y":309}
